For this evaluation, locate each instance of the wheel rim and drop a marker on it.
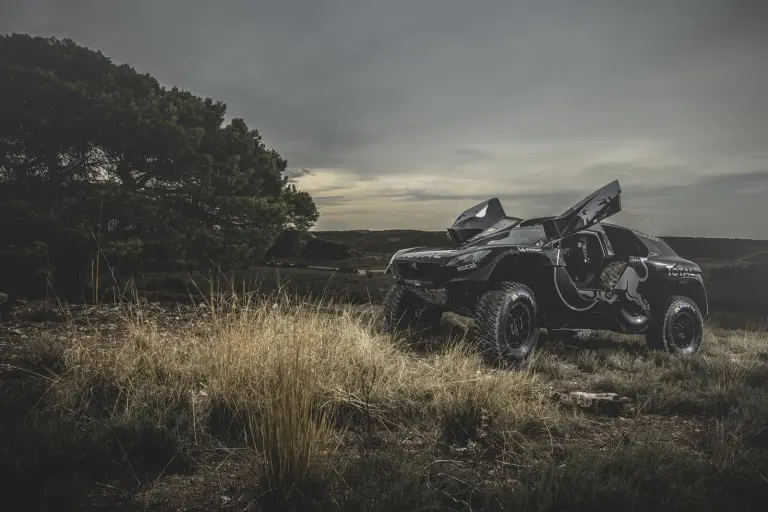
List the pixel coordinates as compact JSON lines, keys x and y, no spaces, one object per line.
{"x":684,"y":330}
{"x":518,"y":328}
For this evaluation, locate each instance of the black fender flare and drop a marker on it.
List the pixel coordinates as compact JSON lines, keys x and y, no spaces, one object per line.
{"x":692,"y":288}
{"x":524,"y":267}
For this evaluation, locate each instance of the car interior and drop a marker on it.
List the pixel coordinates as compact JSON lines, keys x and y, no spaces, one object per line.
{"x":586,"y":258}
{"x":624,"y":243}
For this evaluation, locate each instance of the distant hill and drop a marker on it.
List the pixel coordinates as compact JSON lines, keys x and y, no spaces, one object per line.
{"x":292,"y":244}
{"x":390,"y":240}
{"x":385,"y":241}
{"x":716,"y":248}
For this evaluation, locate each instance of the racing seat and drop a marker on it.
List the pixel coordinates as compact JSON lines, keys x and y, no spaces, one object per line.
{"x":588,"y":266}
{"x":583,"y":257}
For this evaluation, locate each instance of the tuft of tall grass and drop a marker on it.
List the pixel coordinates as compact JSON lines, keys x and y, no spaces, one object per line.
{"x":285,"y":425}
{"x":285,"y":374}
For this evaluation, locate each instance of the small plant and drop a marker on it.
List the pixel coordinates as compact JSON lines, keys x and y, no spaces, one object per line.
{"x":286,"y":428}
{"x":588,"y":361}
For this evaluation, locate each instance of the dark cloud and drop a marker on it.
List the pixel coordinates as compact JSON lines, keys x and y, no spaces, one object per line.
{"x":294,"y":174}
{"x":419,"y":195}
{"x":656,"y":93}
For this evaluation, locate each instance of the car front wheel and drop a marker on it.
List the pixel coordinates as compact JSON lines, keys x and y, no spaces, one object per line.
{"x":404,"y":310}
{"x":679,"y":328}
{"x":506,"y":323}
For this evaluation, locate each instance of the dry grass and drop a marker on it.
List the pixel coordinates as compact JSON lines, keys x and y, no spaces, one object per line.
{"x":314,"y":389}
{"x":288,"y":378}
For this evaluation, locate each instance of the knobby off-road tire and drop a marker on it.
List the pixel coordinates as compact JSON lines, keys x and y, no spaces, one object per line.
{"x":677,"y":327}
{"x":505,"y":323}
{"x":405,"y":311}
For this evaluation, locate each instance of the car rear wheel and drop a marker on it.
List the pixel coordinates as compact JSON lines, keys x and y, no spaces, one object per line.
{"x":678,"y":328}
{"x":506,"y":323}
{"x":632,"y":319}
{"x":405,"y":311}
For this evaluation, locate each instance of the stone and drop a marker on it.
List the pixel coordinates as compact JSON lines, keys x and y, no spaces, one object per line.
{"x":610,"y":403}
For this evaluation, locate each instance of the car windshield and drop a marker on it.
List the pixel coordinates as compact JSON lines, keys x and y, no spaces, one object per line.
{"x":528,"y":235}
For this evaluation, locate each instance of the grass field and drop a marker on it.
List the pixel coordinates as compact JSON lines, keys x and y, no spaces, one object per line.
{"x":248,"y":403}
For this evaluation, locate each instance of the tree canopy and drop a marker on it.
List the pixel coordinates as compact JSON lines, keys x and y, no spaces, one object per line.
{"x":95,"y":156}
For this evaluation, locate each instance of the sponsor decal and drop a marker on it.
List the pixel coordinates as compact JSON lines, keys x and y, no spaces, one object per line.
{"x":649,"y":237}
{"x":625,"y":289}
{"x":601,"y":295}
{"x":630,"y":281}
{"x":675,"y":271}
{"x":529,"y":249}
{"x":429,"y":254}
{"x":469,"y":257}
{"x":468,"y":266}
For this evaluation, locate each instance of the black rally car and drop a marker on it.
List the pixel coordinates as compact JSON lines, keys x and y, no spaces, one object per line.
{"x":573,"y":271}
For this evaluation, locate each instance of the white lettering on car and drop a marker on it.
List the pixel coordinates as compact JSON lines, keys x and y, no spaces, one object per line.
{"x":428,"y":254}
{"x":644,"y":235}
{"x":675,"y":271}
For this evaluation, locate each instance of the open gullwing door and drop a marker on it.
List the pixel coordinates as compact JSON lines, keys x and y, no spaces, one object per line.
{"x":594,"y":208}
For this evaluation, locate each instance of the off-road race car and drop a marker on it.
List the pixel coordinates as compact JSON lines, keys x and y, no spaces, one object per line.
{"x":514,"y":277}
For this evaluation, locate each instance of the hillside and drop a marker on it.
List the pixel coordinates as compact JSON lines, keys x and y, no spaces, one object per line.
{"x":385,"y":241}
{"x":724,"y":249}
{"x":390,"y":240}
{"x":708,"y":251}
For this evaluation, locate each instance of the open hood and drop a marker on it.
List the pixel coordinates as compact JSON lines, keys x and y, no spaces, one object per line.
{"x":477,"y":219}
{"x":597,"y":206}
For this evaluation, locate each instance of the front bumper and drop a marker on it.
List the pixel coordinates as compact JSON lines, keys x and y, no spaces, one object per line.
{"x":432,"y":284}
{"x":434,"y":296}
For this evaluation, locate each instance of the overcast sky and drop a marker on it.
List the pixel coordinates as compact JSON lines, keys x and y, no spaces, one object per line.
{"x":407,"y":112}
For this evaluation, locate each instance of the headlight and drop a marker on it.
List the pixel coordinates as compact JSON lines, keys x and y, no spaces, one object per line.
{"x":469,"y":257}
